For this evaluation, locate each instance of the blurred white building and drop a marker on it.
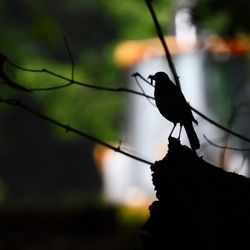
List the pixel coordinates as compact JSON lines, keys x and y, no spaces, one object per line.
{"x":199,"y":64}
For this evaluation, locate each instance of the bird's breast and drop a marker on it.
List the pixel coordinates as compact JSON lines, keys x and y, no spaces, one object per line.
{"x":165,"y":102}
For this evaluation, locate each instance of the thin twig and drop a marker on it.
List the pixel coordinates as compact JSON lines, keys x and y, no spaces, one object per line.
{"x":120,"y":89}
{"x":220,"y":126}
{"x":92,"y":86}
{"x":176,"y":78}
{"x":71,"y":59}
{"x":137,"y":74}
{"x":225,"y":147}
{"x":142,"y":90}
{"x":204,"y":116}
{"x":161,"y":37}
{"x":52,"y":88}
{"x":18,"y":103}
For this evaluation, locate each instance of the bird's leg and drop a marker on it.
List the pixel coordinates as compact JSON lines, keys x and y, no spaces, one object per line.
{"x":180,"y":132}
{"x":172,"y":131}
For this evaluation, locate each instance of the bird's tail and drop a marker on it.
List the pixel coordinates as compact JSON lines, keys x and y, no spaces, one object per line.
{"x":193,"y":139}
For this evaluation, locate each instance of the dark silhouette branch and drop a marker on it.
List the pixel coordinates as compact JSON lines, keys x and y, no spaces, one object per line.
{"x":225,"y":147}
{"x":137,"y":74}
{"x":119,"y":89}
{"x":5,"y":79}
{"x":53,"y":88}
{"x":18,"y":103}
{"x":164,"y":44}
{"x":176,"y":78}
{"x":71,"y":81}
{"x":92,"y":86}
{"x":220,"y":126}
{"x":71,"y":59}
{"x":229,"y":131}
{"x":141,"y":88}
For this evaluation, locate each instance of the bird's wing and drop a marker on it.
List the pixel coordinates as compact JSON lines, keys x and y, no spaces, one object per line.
{"x":183,"y":105}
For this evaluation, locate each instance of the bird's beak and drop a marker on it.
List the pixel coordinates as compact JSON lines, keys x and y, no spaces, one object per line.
{"x":151,"y":79}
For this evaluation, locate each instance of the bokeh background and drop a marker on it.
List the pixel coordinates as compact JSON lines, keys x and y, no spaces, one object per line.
{"x":62,"y":191}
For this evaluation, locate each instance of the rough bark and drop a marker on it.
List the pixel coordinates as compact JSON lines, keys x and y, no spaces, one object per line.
{"x":199,"y":206}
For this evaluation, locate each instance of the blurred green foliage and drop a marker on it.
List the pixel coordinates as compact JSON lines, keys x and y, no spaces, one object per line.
{"x":32,"y":36}
{"x":227,"y":18}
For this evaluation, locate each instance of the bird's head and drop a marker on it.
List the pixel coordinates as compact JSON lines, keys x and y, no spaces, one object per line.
{"x":157,"y":77}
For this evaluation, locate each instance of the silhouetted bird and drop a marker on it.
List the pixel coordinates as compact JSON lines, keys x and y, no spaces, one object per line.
{"x":173,"y":106}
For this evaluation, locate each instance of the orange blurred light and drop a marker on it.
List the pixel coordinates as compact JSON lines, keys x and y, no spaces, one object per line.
{"x":129,"y":53}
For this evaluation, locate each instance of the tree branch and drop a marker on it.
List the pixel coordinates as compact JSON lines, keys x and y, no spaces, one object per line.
{"x":119,"y":89}
{"x":220,"y":126}
{"x":164,"y":44}
{"x":71,"y":59}
{"x":92,"y":86}
{"x":18,"y":103}
{"x":225,"y":147}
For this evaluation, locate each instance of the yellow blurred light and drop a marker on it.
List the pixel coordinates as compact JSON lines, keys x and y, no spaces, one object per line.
{"x":129,"y":53}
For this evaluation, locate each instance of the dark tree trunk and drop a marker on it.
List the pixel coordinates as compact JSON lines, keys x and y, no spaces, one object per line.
{"x":199,"y":205}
